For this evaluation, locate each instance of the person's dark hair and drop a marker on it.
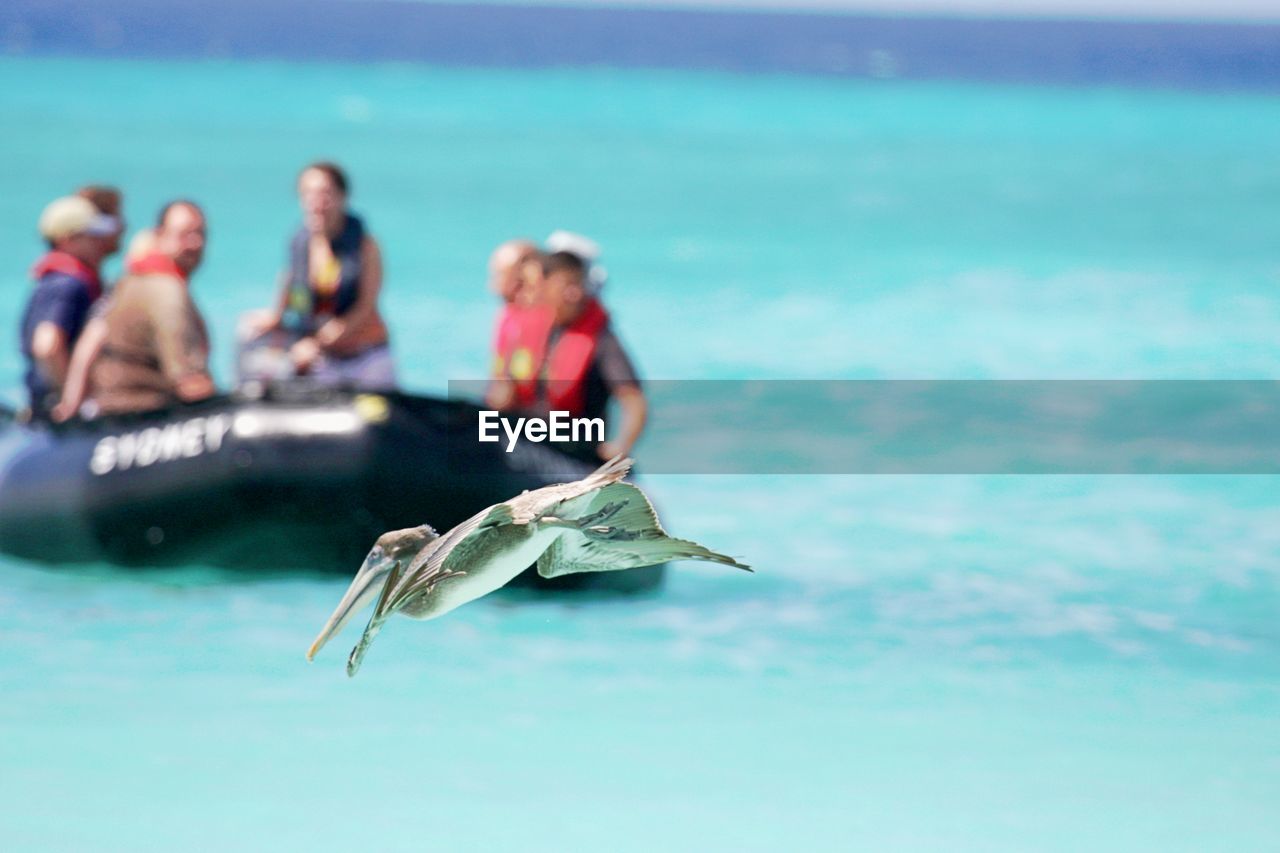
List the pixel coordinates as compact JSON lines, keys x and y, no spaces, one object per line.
{"x":333,"y":171}
{"x":563,"y":261}
{"x":106,"y":199}
{"x":170,"y":205}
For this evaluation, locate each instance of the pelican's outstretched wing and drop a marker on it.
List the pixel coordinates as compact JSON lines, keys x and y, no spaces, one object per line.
{"x":630,"y":538}
{"x":550,"y":500}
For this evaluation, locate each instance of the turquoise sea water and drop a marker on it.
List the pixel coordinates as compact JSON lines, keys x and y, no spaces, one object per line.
{"x":941,"y":662}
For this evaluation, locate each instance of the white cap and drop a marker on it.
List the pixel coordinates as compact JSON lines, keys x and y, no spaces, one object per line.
{"x":70,"y":215}
{"x":586,"y":249}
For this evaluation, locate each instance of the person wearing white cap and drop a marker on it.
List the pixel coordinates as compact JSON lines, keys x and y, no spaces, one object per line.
{"x":586,"y":249}
{"x":67,"y":283}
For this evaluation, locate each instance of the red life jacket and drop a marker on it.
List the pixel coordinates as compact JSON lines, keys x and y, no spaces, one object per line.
{"x":156,"y":263}
{"x":521,"y":343}
{"x":506,"y":334}
{"x":566,"y":366}
{"x":562,"y":372}
{"x":69,"y":264}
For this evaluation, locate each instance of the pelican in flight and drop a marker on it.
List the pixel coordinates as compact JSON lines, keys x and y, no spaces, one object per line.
{"x":597,"y":524}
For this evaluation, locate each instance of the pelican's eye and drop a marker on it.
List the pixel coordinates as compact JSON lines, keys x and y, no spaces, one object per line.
{"x":376,"y":553}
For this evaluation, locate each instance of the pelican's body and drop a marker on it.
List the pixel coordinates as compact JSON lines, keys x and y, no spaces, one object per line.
{"x":508,"y":550}
{"x":594,"y":524}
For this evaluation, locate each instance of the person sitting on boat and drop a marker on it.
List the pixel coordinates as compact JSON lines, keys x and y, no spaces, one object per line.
{"x":515,"y":277}
{"x":565,"y":355}
{"x":76,"y":389}
{"x":155,"y":348}
{"x":67,"y":284}
{"x":327,"y":312}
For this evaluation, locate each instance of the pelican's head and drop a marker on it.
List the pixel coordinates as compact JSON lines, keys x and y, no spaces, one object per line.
{"x":394,"y":549}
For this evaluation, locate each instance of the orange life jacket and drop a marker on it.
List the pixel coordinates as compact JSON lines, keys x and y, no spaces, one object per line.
{"x":156,"y":263}
{"x":69,"y":264}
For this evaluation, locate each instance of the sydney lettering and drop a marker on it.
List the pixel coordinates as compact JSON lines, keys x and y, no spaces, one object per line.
{"x":159,"y":444}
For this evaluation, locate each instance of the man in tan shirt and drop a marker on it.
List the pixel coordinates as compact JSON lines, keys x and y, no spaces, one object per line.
{"x":156,"y":349}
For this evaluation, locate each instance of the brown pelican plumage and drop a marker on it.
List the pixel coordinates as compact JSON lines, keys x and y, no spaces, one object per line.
{"x":596,"y":524}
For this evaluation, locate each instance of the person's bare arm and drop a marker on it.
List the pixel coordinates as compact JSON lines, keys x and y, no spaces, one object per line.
{"x":620,"y":375}
{"x":83,"y":356}
{"x":633,"y":410}
{"x":282,"y":298}
{"x":341,"y":330}
{"x":49,"y":351}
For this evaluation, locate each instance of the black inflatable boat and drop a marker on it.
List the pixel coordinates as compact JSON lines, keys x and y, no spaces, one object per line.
{"x":284,"y":478}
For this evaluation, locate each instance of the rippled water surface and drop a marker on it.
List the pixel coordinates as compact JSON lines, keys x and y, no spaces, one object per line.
{"x":945,"y":662}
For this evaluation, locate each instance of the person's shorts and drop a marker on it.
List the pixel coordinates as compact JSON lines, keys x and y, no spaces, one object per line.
{"x":372,"y":369}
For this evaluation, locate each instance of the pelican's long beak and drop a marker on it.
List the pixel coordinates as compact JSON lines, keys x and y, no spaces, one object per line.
{"x":364,"y":590}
